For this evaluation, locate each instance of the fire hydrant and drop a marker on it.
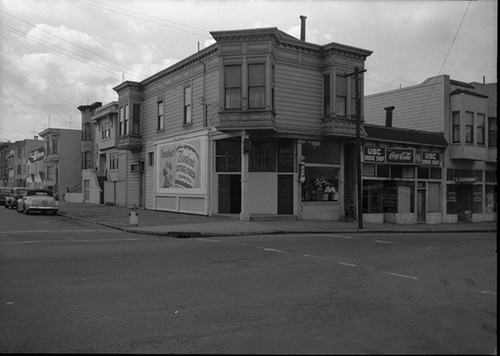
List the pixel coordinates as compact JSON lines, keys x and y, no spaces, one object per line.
{"x":134,"y":217}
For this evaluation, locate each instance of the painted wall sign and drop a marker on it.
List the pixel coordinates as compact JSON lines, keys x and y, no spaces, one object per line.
{"x":400,"y":155}
{"x":179,"y":165}
{"x":374,"y":155}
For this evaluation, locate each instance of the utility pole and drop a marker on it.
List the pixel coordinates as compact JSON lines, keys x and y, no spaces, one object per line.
{"x":356,"y":74}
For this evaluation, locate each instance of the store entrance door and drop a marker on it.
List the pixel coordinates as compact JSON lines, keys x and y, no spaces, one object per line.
{"x":285,"y":194}
{"x":464,"y":202}
{"x":229,"y":193}
{"x":421,"y":205}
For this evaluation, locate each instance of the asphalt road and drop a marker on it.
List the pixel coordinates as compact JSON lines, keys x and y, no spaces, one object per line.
{"x":75,"y":287}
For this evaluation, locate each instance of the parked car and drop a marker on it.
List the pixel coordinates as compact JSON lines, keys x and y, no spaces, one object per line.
{"x":37,"y":200}
{"x":11,"y":200}
{"x":4,"y":192}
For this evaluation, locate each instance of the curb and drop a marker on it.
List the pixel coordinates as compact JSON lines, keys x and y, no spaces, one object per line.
{"x":194,"y":234}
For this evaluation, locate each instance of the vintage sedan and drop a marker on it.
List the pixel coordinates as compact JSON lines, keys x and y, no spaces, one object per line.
{"x":11,"y":200}
{"x":37,"y":200}
{"x":4,"y":192}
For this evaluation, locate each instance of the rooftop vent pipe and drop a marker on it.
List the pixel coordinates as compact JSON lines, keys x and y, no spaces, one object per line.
{"x":303,"y":27}
{"x":388,"y":116}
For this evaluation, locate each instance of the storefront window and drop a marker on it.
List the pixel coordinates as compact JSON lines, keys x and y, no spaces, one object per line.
{"x":434,"y":197}
{"x":451,"y":199}
{"x":262,"y":156}
{"x":322,"y":159}
{"x":491,"y":199}
{"x":321,"y":152}
{"x":228,"y":155}
{"x":388,"y":197}
{"x":477,"y":199}
{"x":321,"y":184}
{"x":372,"y":196}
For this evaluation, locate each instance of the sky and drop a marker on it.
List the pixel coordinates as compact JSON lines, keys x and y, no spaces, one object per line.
{"x":56,"y":55}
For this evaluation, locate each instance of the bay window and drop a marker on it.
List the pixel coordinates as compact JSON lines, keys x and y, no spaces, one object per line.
{"x":340,"y":95}
{"x":256,"y":86}
{"x":481,"y":127}
{"x":469,"y":127}
{"x":232,"y":87}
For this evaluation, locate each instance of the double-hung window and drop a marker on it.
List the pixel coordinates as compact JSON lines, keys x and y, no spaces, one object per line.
{"x":492,"y":132}
{"x":481,"y":127}
{"x":340,"y":95}
{"x":326,"y":95}
{"x":232,"y":87}
{"x":123,"y":126}
{"x":256,"y":86}
{"x":160,"y":122}
{"x":469,"y":127}
{"x":353,"y":96}
{"x":456,"y":126}
{"x":188,"y":119}
{"x":106,"y":130}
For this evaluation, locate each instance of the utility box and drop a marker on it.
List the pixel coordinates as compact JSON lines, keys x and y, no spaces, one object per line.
{"x":133,"y":217}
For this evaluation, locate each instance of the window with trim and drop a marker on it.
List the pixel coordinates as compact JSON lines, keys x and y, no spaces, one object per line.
{"x":341,"y":95}
{"x":159,"y":110}
{"x":151,"y":157}
{"x":55,"y":148}
{"x":123,"y":121}
{"x":232,"y":87}
{"x":481,"y":128}
{"x":228,"y":155}
{"x":492,"y":132}
{"x":256,"y":86}
{"x":326,"y":95}
{"x":113,"y":161}
{"x":87,"y":132}
{"x":187,"y":106}
{"x":49,"y":173}
{"x":262,"y":157}
{"x":456,"y":126}
{"x":87,"y":160}
{"x":469,"y":127}
{"x":353,"y":96}
{"x":106,"y":130}
{"x":136,"y":119}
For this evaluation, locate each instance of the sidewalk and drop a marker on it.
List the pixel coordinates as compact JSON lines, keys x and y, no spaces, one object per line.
{"x":186,"y":225}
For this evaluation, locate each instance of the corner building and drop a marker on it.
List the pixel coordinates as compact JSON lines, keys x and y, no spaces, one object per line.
{"x":259,"y":123}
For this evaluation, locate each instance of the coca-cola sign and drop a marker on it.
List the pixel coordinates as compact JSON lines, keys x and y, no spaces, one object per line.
{"x":400,"y":155}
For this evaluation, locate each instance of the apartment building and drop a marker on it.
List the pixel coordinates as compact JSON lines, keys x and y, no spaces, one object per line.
{"x":61,"y":166}
{"x":17,"y":159}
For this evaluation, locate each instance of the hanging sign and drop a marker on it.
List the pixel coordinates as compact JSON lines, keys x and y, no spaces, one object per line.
{"x":374,"y":155}
{"x":400,"y":155}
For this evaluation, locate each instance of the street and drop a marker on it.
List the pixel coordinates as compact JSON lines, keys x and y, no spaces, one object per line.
{"x":75,"y":287}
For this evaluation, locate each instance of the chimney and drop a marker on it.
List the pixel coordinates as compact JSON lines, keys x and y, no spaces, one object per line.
{"x":303,"y":27}
{"x":35,"y":137}
{"x":388,"y":116}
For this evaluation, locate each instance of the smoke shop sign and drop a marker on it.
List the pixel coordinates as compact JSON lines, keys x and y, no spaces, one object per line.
{"x":400,"y":155}
{"x":374,"y":155}
{"x":431,"y":159}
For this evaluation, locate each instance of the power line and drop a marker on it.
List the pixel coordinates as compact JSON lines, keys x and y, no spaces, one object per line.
{"x":114,"y":11}
{"x":95,"y":54}
{"x":455,"y":37}
{"x":61,"y":51}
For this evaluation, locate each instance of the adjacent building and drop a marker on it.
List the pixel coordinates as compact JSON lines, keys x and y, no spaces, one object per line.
{"x":465,"y":113}
{"x":17,"y":157}
{"x":60,"y":168}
